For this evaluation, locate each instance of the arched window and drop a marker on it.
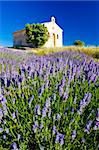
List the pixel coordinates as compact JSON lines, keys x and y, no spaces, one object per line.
{"x":48,"y":34}
{"x":57,"y":36}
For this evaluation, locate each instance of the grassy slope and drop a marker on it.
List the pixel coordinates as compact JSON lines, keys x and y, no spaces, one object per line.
{"x":91,"y":51}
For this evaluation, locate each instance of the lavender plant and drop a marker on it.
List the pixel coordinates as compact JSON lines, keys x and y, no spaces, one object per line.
{"x":48,"y":102}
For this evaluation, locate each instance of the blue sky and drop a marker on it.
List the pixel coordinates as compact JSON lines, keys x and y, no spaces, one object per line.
{"x":78,"y":19}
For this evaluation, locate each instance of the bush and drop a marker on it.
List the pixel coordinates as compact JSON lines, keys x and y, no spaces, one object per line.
{"x":96,"y":55}
{"x":37,"y":34}
{"x":79,"y":43}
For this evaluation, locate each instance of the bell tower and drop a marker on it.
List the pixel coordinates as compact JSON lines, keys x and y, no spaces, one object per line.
{"x":52,"y":19}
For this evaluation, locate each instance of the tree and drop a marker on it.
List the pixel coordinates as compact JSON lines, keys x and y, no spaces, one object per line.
{"x":37,"y":34}
{"x":79,"y":43}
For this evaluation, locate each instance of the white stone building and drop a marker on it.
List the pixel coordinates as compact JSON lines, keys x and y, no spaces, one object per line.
{"x":55,"y":35}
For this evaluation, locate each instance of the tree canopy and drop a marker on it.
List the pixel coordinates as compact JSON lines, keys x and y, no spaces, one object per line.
{"x":37,"y":34}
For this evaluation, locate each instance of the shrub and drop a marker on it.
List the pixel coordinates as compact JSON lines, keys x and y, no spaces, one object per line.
{"x":79,"y":43}
{"x":96,"y":55}
{"x":37,"y":34}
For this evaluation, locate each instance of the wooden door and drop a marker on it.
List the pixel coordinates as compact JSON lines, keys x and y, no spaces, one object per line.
{"x":54,"y":39}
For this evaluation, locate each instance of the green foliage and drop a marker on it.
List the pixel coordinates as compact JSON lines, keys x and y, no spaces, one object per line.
{"x":25,"y":117}
{"x":26,"y":91}
{"x":37,"y":34}
{"x":96,"y":55}
{"x":79,"y":43}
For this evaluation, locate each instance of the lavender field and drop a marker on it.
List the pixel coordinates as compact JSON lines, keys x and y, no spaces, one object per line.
{"x":48,"y":102}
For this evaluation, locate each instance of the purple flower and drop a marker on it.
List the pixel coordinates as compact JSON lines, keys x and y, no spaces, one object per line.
{"x":41,"y":91}
{"x":13,"y":101}
{"x":83,"y":140}
{"x":65,"y":96}
{"x":87,"y":127}
{"x":37,"y":110}
{"x":5,"y":80}
{"x":97,"y":115}
{"x":75,"y":99}
{"x":96,"y":126}
{"x":61,"y":90}
{"x":59,"y":138}
{"x":41,"y":125}
{"x":49,"y":112}
{"x":47,"y":83}
{"x":84,"y":102}
{"x":13,"y":115}
{"x":18,"y":137}
{"x":47,"y":104}
{"x":1,"y":114}
{"x":63,"y":81}
{"x":72,"y":110}
{"x":35,"y":126}
{"x":19,"y":85}
{"x":4,"y":109}
{"x":46,"y":107}
{"x":62,"y":141}
{"x":7,"y":130}
{"x":2,"y":100}
{"x":93,"y":78}
{"x":54,"y":96}
{"x":54,"y":129}
{"x":1,"y":130}
{"x":30,"y":100}
{"x":44,"y":111}
{"x":73,"y":134}
{"x":14,"y":145}
{"x":74,"y":70}
{"x":4,"y":136}
{"x":72,"y":120}
{"x":58,"y":116}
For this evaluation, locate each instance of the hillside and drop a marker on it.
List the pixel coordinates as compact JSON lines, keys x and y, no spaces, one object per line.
{"x":50,"y":101}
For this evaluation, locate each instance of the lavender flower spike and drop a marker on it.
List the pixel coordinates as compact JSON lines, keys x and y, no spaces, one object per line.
{"x":37,"y":110}
{"x":87,"y":127}
{"x":18,"y":137}
{"x":54,"y":129}
{"x":44,"y":111}
{"x":30,"y":100}
{"x":13,"y":115}
{"x":35,"y":126}
{"x":1,"y":114}
{"x":14,"y":146}
{"x":57,"y":138}
{"x":58,"y":117}
{"x":60,"y":138}
{"x":4,"y":136}
{"x":47,"y":104}
{"x":1,"y":130}
{"x":96,"y":127}
{"x":73,"y":134}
